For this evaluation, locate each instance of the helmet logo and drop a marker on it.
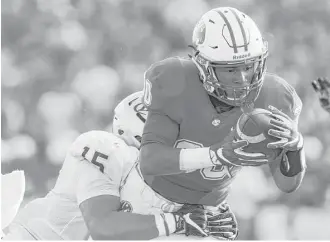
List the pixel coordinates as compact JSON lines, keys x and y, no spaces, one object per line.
{"x":141,"y":111}
{"x":199,"y":33}
{"x":242,"y":56}
{"x":216,"y":122}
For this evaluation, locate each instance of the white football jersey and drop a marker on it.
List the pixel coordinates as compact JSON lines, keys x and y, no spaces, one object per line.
{"x":95,"y":165}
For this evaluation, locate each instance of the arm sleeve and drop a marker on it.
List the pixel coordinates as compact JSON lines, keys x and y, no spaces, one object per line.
{"x":161,"y":97}
{"x":157,"y":154}
{"x":160,"y":128}
{"x":163,"y":90}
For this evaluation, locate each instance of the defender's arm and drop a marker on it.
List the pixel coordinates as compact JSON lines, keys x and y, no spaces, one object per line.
{"x":99,"y":202}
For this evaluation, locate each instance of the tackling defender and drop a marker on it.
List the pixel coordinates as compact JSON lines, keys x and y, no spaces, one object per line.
{"x":100,"y":183}
{"x":194,"y":102}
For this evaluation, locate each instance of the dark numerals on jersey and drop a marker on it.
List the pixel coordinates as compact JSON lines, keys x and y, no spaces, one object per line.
{"x":94,"y":159}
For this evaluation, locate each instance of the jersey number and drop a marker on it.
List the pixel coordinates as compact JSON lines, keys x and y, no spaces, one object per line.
{"x":95,"y":156}
{"x":211,"y":173}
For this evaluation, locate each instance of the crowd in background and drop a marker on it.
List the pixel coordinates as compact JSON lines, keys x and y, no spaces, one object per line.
{"x":66,"y":64}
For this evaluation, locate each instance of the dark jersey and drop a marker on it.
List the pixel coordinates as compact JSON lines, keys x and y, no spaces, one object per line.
{"x":174,"y":91}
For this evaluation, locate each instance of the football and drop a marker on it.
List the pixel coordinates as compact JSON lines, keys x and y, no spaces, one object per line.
{"x":253,"y":127}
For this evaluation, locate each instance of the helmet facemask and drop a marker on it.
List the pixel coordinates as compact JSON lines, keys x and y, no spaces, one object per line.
{"x":230,"y":94}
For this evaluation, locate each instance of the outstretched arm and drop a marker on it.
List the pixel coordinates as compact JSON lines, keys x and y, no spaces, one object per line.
{"x":105,"y":222}
{"x":106,"y":219}
{"x":99,"y":201}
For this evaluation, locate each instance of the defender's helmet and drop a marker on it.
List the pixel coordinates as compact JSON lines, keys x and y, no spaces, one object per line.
{"x":129,"y":118}
{"x":228,"y":40}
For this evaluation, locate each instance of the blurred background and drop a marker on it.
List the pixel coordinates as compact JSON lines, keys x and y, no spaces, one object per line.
{"x":66,"y":64}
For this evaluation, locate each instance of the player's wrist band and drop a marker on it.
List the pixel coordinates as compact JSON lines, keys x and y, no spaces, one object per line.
{"x":193,"y":159}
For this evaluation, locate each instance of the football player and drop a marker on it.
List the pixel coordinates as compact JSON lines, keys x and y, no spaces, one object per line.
{"x":322,"y":88}
{"x":188,"y":152}
{"x":99,"y":184}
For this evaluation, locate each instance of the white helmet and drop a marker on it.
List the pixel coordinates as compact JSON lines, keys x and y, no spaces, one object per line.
{"x":129,"y":118}
{"x":226,"y":37}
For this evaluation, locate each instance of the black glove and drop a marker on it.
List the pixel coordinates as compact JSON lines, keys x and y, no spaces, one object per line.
{"x":222,"y":223}
{"x":322,"y":88}
{"x":191,"y":220}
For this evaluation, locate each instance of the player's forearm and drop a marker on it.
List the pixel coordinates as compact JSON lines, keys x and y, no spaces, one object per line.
{"x":157,"y":159}
{"x":289,"y":172}
{"x":129,"y":226}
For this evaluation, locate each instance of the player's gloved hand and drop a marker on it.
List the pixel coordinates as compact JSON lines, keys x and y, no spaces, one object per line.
{"x":322,"y":86}
{"x":286,"y":130}
{"x":229,"y":153}
{"x":191,"y":220}
{"x":222,"y":223}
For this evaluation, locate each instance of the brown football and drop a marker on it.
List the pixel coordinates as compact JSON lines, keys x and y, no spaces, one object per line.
{"x":253,"y":127}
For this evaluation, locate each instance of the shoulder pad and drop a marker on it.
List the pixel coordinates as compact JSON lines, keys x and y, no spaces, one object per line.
{"x":281,"y":95}
{"x":97,"y":146}
{"x":163,"y":82}
{"x":98,"y":140}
